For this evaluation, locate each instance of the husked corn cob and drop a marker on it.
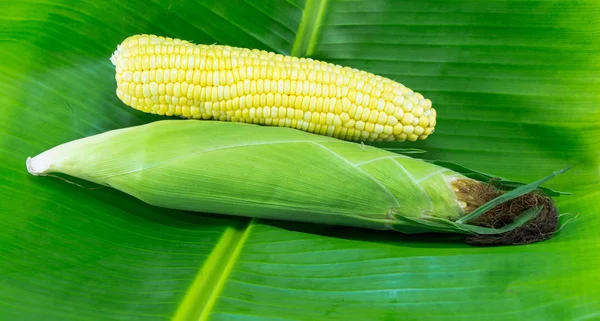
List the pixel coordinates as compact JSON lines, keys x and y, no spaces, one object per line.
{"x":169,"y":76}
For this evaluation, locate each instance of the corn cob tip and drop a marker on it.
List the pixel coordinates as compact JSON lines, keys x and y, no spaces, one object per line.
{"x":173,"y":77}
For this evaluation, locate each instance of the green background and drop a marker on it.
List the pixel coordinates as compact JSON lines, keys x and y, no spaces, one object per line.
{"x":515,"y":84}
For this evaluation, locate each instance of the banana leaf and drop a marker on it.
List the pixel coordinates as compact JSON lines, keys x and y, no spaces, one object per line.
{"x":515,"y":84}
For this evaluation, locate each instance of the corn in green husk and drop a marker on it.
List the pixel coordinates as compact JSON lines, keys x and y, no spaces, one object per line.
{"x":274,"y":173}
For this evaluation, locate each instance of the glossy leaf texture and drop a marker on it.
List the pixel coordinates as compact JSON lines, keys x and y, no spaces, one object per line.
{"x":515,"y":86}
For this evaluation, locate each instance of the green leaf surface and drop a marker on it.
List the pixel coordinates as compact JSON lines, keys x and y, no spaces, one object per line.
{"x":515,"y":85}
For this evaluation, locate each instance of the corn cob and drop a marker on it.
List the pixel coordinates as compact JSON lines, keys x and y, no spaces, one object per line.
{"x":168,"y":76}
{"x":286,"y":174}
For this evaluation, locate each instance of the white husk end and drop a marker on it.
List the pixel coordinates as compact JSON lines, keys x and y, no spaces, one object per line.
{"x":40,"y":164}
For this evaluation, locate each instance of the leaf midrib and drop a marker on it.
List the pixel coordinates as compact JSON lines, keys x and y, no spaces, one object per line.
{"x":308,"y":30}
{"x":208,"y":283}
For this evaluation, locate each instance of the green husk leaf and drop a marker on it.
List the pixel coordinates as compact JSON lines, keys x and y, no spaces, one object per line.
{"x":404,"y":150}
{"x":444,"y":225}
{"x":523,"y":218}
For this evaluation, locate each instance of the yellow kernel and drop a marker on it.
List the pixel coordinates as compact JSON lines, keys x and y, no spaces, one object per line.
{"x":416,"y":121}
{"x":314,"y":118}
{"x":289,"y":113}
{"x":353,"y":111}
{"x":358,"y":111}
{"x":333,"y":91}
{"x":388,"y":130}
{"x":365,"y":115}
{"x":387,"y":96}
{"x":366,"y":101}
{"x":305,"y":125}
{"x":408,"y":119}
{"x":419,"y":130}
{"x":220,"y":95}
{"x":344,"y":117}
{"x":376,"y":92}
{"x":342,"y":133}
{"x":323,"y":119}
{"x":312,"y":103}
{"x":378,"y":129}
{"x":360,"y":125}
{"x":346,"y":104}
{"x":287,"y":87}
{"x":282,"y":112}
{"x":306,"y":87}
{"x":408,"y":129}
{"x":312,"y":89}
{"x":392,"y":121}
{"x":350,"y":123}
{"x":359,"y":98}
{"x":154,"y":89}
{"x":399,"y":113}
{"x":389,"y":108}
{"x":190,"y":91}
{"x":337,"y":121}
{"x":398,"y":100}
{"x":326,"y":101}
{"x":330,"y":130}
{"x":298,"y":114}
{"x":319,"y":103}
{"x":260,"y":87}
{"x":307,"y":116}
{"x":352,"y":95}
{"x":299,"y":102}
{"x":286,"y":101}
{"x":329,"y":118}
{"x":352,"y":82}
{"x":378,"y":104}
{"x":374,"y":116}
{"x":407,"y":106}
{"x":323,"y":90}
{"x":417,"y":112}
{"x":350,"y":133}
{"x":276,"y":100}
{"x":398,"y":129}
{"x":382,"y":119}
{"x":401,"y":137}
{"x":412,"y":137}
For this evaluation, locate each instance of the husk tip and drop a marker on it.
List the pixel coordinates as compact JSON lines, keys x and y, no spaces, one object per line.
{"x":38,"y":165}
